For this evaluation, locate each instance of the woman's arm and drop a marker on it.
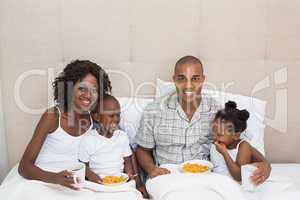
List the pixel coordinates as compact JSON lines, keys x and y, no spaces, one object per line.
{"x":27,"y":168}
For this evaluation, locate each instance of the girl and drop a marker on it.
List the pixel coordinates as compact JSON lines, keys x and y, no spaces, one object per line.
{"x":55,"y":142}
{"x":229,"y":151}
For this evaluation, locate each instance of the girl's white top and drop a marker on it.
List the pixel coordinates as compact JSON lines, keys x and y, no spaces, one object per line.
{"x":218,"y":160}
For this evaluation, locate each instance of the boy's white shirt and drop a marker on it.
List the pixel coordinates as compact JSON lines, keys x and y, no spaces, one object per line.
{"x":105,"y":155}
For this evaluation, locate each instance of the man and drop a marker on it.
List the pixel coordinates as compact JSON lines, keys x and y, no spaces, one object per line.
{"x":176,"y":128}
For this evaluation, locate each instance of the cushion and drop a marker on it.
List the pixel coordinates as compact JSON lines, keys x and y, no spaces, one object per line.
{"x":131,"y":113}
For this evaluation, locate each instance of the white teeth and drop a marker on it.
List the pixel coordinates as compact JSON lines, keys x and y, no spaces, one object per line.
{"x":188,"y":93}
{"x":86,"y":102}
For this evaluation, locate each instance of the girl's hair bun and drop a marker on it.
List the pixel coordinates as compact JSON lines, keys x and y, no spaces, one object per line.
{"x":230,"y":105}
{"x":243,"y":115}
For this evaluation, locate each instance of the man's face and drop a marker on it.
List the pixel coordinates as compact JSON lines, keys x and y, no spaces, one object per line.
{"x":188,"y":79}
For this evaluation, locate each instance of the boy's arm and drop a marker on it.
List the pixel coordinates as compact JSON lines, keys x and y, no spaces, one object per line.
{"x":135,"y":175}
{"x":128,"y":168}
{"x":90,"y":175}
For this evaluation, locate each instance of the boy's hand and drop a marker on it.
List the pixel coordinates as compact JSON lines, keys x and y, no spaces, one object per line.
{"x":221,"y":147}
{"x":144,"y":192}
{"x":95,"y":178}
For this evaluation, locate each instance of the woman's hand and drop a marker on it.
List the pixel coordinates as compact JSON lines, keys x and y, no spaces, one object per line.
{"x":221,"y":147}
{"x":262,"y":172}
{"x":157,"y":171}
{"x":64,"y":178}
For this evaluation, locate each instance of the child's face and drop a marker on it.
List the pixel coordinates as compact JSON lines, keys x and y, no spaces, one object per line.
{"x":223,"y":132}
{"x":109,"y":116}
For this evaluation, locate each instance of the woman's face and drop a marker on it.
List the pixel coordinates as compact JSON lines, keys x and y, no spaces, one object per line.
{"x":85,"y":93}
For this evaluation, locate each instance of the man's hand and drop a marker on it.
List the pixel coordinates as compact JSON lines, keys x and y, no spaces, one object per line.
{"x":157,"y":171}
{"x":221,"y":147}
{"x":262,"y":172}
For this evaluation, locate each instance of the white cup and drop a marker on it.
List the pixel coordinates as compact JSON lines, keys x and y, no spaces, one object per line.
{"x":78,"y":172}
{"x":247,"y":171}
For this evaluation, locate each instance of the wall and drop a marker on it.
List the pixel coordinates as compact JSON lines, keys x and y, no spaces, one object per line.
{"x":244,"y":42}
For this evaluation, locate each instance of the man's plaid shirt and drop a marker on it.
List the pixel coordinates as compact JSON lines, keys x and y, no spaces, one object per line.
{"x":165,"y":128}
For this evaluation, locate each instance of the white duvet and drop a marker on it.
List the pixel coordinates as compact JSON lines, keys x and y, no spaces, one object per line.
{"x":15,"y":187}
{"x":211,"y":186}
{"x":284,"y":184}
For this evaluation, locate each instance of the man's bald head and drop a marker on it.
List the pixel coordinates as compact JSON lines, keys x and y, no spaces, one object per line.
{"x":187,"y":60}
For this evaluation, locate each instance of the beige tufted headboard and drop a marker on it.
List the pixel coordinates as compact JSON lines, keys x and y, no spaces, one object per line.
{"x":247,"y":47}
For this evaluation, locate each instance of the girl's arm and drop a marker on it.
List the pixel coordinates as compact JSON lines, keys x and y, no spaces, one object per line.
{"x":27,"y":168}
{"x":243,"y":158}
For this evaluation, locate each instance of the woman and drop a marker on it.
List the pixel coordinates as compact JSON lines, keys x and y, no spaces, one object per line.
{"x":55,"y":141}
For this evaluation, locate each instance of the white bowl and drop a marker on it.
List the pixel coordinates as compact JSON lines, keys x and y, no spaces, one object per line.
{"x":200,"y":162}
{"x":125,"y":176}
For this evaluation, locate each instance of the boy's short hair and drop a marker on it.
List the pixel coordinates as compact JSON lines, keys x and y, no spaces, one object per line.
{"x":105,"y":97}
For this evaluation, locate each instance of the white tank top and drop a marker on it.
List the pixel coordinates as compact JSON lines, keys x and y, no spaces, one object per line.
{"x":60,"y":149}
{"x":217,"y":159}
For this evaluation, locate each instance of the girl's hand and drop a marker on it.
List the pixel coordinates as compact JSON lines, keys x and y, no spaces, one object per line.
{"x":64,"y":178}
{"x":221,"y":147}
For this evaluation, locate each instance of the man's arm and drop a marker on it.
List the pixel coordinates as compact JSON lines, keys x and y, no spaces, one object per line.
{"x":263,"y":167}
{"x":145,"y":160}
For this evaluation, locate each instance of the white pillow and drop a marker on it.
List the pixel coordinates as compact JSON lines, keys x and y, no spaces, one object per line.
{"x":255,"y":130}
{"x":131,"y":113}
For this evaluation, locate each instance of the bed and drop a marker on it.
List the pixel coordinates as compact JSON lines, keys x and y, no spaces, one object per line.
{"x":284,"y":186}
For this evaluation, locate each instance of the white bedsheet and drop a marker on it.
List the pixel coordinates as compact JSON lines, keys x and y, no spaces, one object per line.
{"x":15,"y":187}
{"x":283,"y":184}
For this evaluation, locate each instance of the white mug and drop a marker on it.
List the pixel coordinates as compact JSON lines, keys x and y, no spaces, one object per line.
{"x":78,"y":172}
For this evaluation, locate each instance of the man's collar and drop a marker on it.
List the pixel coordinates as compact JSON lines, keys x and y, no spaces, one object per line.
{"x":172,"y":103}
